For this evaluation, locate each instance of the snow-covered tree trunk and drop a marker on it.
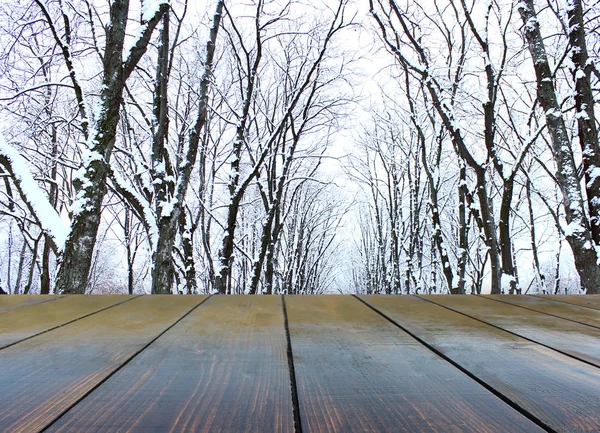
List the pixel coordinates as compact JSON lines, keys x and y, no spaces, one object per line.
{"x":584,"y":112}
{"x":91,"y":188}
{"x":578,"y":231}
{"x":433,"y":187}
{"x":170,"y":210}
{"x":462,"y":231}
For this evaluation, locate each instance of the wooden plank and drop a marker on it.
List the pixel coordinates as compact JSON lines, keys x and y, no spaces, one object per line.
{"x":42,"y":377}
{"x":556,"y":389}
{"x":222,"y":368}
{"x":357,"y":372}
{"x":590,"y":301}
{"x":12,"y":302}
{"x":568,"y":337}
{"x":17,"y":325}
{"x":586,"y":316}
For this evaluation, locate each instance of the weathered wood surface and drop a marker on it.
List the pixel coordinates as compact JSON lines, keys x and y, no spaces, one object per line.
{"x":551,"y":387}
{"x":587,"y":316}
{"x":43,"y":376}
{"x":192,"y":363}
{"x":22,"y":323}
{"x":590,"y":301}
{"x":577,"y":340}
{"x":223,"y":368}
{"x":11,"y":302}
{"x":357,"y":372}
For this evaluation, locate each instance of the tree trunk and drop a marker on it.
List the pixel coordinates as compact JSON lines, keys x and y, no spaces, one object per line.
{"x":578,"y":231}
{"x":584,"y":112}
{"x":462,"y":230}
{"x":536,"y":261}
{"x":489,"y":230}
{"x":162,"y":272}
{"x":187,"y":240}
{"x":162,"y":169}
{"x":91,"y":189}
{"x":45,"y":274}
{"x":508,"y":268}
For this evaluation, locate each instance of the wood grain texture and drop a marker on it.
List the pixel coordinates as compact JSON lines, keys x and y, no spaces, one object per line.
{"x":560,"y":391}
{"x":569,"y":337}
{"x":554,"y":307}
{"x":566,"y":311}
{"x":589,"y":301}
{"x":22,"y":323}
{"x":12,"y":302}
{"x":43,"y":376}
{"x":221,"y":369}
{"x":357,"y":372}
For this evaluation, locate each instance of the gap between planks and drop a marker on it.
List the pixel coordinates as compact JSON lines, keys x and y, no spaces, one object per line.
{"x":65,"y":323}
{"x":511,"y":332}
{"x":491,"y":389}
{"x":127,"y":361}
{"x":292,"y":371}
{"x":18,"y":307}
{"x":567,"y":302}
{"x":540,"y":311}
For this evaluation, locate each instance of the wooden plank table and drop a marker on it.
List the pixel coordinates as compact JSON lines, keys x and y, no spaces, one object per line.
{"x":587,"y":316}
{"x":18,"y":325}
{"x":299,"y":364}
{"x":590,"y":301}
{"x":574,"y":339}
{"x":8,"y":302}
{"x":548,"y":385}
{"x":222,"y":368}
{"x":356,"y":371}
{"x":44,"y":376}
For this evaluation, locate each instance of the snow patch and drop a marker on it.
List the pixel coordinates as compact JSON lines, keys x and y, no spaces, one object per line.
{"x":593,"y":174}
{"x":167,"y":208}
{"x":506,"y":281}
{"x":573,"y":229}
{"x":149,"y":10}
{"x":48,"y":217}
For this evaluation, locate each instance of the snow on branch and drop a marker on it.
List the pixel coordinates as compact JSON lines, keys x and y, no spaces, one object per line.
{"x":32,"y":194}
{"x":152,"y":12}
{"x":140,"y":205}
{"x":32,"y":88}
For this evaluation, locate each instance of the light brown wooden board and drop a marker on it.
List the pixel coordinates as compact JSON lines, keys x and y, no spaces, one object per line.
{"x":549,"y":306}
{"x":43,"y":376}
{"x":357,"y":372}
{"x":575,"y":339}
{"x":221,"y":369}
{"x":18,"y":324}
{"x":13,"y":302}
{"x":590,"y":301}
{"x":561,"y":392}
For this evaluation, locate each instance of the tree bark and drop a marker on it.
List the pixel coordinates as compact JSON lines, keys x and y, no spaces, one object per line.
{"x":584,"y":112}
{"x":162,"y":272}
{"x":578,"y":231}
{"x":91,"y":189}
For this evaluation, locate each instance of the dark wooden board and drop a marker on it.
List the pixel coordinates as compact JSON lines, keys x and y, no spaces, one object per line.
{"x":566,"y":311}
{"x":43,"y":376}
{"x":552,"y":387}
{"x":12,"y":302}
{"x":22,"y":323}
{"x":569,"y":337}
{"x":223,"y":368}
{"x":357,"y":372}
{"x":590,"y":301}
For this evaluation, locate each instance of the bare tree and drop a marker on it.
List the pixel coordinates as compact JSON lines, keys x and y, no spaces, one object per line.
{"x":249,"y":60}
{"x":578,"y":231}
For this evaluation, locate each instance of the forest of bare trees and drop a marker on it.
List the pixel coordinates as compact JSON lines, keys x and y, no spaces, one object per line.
{"x":278,"y":146}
